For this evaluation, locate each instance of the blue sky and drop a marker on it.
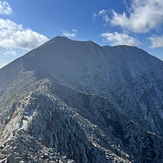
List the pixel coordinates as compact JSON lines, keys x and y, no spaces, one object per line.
{"x":26,"y":24}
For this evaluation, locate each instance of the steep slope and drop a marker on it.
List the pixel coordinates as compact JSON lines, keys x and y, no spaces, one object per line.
{"x":77,"y":101}
{"x":125,"y":75}
{"x":89,"y":129}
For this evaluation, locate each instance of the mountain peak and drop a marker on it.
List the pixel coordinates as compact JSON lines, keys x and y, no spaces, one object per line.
{"x":80,"y":101}
{"x":60,"y":38}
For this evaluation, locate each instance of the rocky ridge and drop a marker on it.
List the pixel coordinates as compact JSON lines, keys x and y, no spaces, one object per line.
{"x":71,"y":101}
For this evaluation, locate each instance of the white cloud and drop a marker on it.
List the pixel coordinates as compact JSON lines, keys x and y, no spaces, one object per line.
{"x":120,"y":39}
{"x":156,"y":41}
{"x":143,"y":16}
{"x":102,"y":13}
{"x":9,"y":52}
{"x":5,"y":8}
{"x":68,"y":34}
{"x":74,"y":30}
{"x":14,"y":36}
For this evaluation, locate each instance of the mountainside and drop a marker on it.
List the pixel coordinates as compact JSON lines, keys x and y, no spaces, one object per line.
{"x":74,"y":101}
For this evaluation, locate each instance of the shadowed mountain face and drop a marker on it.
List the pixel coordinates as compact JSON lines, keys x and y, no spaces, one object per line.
{"x":75,"y":101}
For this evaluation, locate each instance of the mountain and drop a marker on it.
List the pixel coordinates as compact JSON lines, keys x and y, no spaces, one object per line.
{"x":75,"y":101}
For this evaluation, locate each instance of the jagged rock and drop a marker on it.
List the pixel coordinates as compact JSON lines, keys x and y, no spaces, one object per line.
{"x":70,"y":101}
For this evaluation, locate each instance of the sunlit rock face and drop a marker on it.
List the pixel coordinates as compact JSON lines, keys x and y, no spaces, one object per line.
{"x":73,"y":101}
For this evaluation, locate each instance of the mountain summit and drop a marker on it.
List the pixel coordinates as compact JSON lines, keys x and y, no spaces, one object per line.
{"x":76,"y":101}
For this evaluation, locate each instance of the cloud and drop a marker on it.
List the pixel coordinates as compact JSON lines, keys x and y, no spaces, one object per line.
{"x":13,"y":36}
{"x":5,"y":8}
{"x":156,"y":41}
{"x":142,"y":16}
{"x":74,"y":30}
{"x":120,"y":39}
{"x":9,"y":52}
{"x":102,"y":13}
{"x":68,"y":34}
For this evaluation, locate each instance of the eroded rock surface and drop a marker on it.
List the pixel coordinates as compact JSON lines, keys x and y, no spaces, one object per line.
{"x":71,"y":101}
